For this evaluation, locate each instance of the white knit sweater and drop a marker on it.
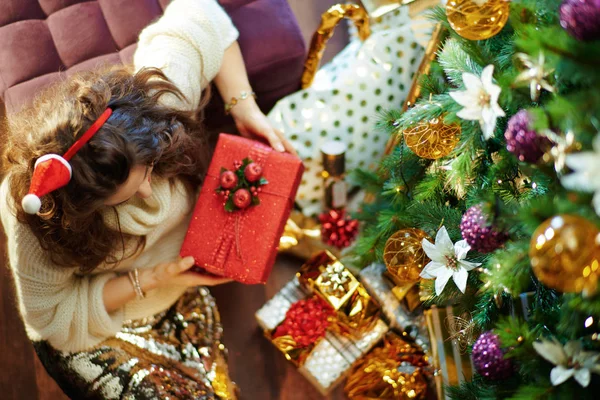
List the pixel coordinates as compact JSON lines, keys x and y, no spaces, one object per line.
{"x":66,"y":308}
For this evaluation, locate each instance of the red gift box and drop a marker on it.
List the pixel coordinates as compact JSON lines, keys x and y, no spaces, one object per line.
{"x":242,"y":244}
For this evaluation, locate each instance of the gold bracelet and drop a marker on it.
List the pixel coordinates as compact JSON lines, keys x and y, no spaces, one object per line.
{"x":234,"y":100}
{"x":134,"y":277}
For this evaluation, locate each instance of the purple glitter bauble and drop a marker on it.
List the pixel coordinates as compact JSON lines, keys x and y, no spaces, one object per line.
{"x":523,"y":142}
{"x":580,"y":18}
{"x":479,"y":234}
{"x":488,"y":358}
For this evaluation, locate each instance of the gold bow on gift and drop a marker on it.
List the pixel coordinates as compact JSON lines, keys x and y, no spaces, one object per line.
{"x":288,"y":346}
{"x":302,"y":237}
{"x":328,"y":278}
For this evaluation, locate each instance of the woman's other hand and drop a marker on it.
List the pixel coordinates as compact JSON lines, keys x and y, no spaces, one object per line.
{"x":252,"y":123}
{"x":177,"y":273}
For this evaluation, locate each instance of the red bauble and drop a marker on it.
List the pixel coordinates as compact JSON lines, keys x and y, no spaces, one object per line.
{"x":306,"y":321}
{"x":253,"y":172}
{"x":337,"y":229}
{"x":242,"y":198}
{"x":228,"y":179}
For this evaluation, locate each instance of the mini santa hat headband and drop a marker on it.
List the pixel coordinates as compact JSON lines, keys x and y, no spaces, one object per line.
{"x":52,"y":171}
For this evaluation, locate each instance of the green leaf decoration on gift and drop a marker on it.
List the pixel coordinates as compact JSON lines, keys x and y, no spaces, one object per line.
{"x":262,"y":181}
{"x":255,"y":200}
{"x":229,"y":206}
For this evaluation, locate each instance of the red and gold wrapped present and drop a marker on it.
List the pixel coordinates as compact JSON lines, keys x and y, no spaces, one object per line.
{"x":322,"y":331}
{"x":243,"y":206}
{"x":329,"y":279}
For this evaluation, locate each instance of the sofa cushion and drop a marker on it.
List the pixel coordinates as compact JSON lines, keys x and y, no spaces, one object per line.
{"x":42,"y":41}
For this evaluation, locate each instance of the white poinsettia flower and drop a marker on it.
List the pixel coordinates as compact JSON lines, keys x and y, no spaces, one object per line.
{"x":570,"y":361}
{"x":480,"y":100}
{"x":585,"y":176}
{"x":447,"y":261}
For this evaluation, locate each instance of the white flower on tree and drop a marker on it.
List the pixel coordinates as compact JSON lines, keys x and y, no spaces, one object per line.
{"x":585,"y":176}
{"x":480,"y":100}
{"x":570,"y":361}
{"x":447,"y":261}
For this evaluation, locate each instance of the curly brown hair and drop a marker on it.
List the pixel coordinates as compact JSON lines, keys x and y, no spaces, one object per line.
{"x":140,"y":131}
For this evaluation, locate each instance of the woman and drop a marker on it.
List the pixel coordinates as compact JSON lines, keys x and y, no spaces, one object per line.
{"x":102,"y":292}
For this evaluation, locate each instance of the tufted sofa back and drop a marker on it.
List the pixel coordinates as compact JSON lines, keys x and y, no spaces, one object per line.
{"x":43,"y":40}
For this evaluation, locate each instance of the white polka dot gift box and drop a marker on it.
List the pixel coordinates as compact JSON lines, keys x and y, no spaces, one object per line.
{"x":345,"y":98}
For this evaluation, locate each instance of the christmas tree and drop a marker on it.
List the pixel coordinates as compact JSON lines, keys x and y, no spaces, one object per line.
{"x":496,"y":175}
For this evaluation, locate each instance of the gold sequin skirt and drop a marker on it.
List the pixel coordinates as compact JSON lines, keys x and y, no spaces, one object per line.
{"x":176,"y":354}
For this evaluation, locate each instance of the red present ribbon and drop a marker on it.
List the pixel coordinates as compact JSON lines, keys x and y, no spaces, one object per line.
{"x":306,"y":321}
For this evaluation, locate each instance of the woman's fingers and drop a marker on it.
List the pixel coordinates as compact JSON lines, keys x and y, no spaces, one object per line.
{"x":198,"y":279}
{"x":274,"y":140}
{"x":286,"y":144}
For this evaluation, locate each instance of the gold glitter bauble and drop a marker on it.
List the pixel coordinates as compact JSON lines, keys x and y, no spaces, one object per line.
{"x":477,"y":19}
{"x":565,"y":254}
{"x":404,"y":255}
{"x":432,"y":139}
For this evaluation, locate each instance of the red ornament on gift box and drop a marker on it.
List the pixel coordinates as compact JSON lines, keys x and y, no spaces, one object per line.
{"x":241,"y":242}
{"x":337,"y":229}
{"x":306,"y":321}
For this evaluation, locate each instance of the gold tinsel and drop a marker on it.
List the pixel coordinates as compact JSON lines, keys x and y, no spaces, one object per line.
{"x":394,"y":371}
{"x":476,"y":19}
{"x":565,"y":254}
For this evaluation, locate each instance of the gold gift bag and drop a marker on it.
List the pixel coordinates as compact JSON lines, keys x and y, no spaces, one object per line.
{"x":453,"y":364}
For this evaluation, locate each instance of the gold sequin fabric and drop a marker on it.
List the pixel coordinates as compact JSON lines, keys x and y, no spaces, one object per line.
{"x":176,"y":354}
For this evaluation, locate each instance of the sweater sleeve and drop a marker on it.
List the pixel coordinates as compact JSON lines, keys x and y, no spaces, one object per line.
{"x":56,"y":304}
{"x":187,"y":43}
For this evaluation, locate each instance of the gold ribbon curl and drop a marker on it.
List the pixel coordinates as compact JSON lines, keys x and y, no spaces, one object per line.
{"x":329,"y":20}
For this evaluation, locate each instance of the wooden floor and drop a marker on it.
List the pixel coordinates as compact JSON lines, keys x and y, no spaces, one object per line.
{"x":261,"y":372}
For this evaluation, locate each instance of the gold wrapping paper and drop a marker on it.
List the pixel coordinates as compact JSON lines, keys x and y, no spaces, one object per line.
{"x":287,"y":345}
{"x":406,"y":292}
{"x":329,"y":20}
{"x":302,"y":237}
{"x":398,"y":370}
{"x":324,"y":275}
{"x":452,"y":366}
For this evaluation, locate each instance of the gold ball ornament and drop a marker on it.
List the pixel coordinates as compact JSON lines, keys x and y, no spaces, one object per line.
{"x":404,"y":255}
{"x":432,"y":139}
{"x":565,"y":254}
{"x":477,"y":19}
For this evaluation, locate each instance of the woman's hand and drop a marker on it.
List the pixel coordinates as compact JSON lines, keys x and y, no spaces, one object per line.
{"x":252,"y":123}
{"x":177,"y":273}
